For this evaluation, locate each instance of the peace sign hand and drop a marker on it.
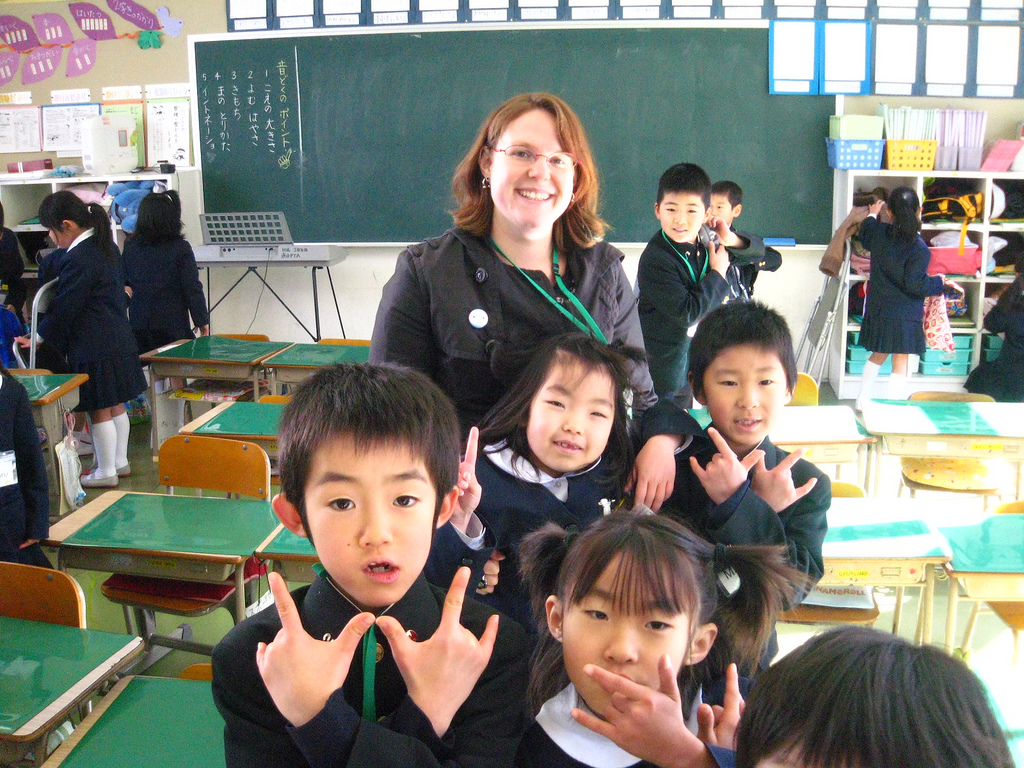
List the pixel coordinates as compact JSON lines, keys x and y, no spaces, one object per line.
{"x":775,"y":486}
{"x":725,"y":473}
{"x":441,"y":672}
{"x":469,"y":487}
{"x":301,"y":672}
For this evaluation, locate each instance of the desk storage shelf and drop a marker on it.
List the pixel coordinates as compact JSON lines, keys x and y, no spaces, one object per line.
{"x":845,"y":359}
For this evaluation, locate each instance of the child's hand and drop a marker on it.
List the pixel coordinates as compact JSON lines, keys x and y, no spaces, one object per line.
{"x":301,"y":672}
{"x":23,"y":341}
{"x":717,"y":725}
{"x":876,"y":207}
{"x":725,"y":234}
{"x":28,"y":543}
{"x":469,"y":487}
{"x":441,"y":671}
{"x":725,"y":473}
{"x":720,"y":260}
{"x":654,"y":471}
{"x":645,"y":722}
{"x":775,"y":486}
{"x":491,"y":569}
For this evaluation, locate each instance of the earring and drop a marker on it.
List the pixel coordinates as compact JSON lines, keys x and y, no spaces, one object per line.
{"x":486,"y":183}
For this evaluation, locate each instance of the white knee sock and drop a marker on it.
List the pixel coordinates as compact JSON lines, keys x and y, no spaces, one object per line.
{"x":897,"y":386}
{"x":867,"y":382}
{"x":123,"y":427}
{"x":104,"y":445}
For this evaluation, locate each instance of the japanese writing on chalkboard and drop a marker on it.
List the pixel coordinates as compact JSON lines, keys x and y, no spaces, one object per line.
{"x":250,"y":108}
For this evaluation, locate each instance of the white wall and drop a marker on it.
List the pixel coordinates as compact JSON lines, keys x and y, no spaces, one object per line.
{"x":360,"y":278}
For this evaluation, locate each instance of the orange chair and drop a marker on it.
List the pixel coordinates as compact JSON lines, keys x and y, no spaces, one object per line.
{"x":806,"y":390}
{"x":244,"y":336}
{"x":41,"y":594}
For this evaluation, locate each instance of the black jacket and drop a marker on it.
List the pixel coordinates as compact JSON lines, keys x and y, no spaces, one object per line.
{"x":25,"y":506}
{"x":165,"y":287}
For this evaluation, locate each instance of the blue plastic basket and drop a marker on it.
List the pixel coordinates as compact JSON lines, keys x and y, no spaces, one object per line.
{"x":859,"y":154}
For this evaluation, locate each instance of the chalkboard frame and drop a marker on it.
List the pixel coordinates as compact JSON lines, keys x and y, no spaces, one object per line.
{"x":770,"y":210}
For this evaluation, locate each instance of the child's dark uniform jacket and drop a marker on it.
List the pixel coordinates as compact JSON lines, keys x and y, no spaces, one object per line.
{"x":745,"y":518}
{"x":674,"y":296}
{"x":1003,"y":378}
{"x":510,"y":508}
{"x":25,"y":505}
{"x":484,"y":732}
{"x":769,"y":261}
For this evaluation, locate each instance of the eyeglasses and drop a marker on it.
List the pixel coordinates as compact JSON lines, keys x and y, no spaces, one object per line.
{"x":524,"y":156}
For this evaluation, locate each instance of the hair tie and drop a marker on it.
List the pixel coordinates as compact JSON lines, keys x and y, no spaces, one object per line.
{"x":728,"y":579}
{"x":719,"y":558}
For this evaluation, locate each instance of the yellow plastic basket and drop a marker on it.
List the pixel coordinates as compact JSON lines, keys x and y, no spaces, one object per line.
{"x":910,"y":155}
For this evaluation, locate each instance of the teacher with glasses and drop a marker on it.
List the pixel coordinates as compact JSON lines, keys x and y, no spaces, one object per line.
{"x":523,"y":262}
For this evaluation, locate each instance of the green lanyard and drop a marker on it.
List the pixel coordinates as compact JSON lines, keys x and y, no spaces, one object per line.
{"x":703,"y":270}
{"x":591,"y":328}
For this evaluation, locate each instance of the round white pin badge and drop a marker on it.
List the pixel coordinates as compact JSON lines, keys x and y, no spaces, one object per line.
{"x":478,"y":318}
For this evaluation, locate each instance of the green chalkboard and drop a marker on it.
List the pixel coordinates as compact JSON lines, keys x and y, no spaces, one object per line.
{"x":355,"y":137}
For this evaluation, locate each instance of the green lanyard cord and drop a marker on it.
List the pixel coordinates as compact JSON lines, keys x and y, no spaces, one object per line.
{"x":591,"y":328}
{"x":370,"y":674}
{"x":703,"y":270}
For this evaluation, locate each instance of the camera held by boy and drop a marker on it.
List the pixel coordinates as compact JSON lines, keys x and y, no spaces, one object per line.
{"x":687,"y":269}
{"x":370,"y":665}
{"x":727,"y":204}
{"x":733,"y":486}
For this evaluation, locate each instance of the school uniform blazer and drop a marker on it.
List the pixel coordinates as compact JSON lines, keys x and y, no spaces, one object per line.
{"x":670,"y":301}
{"x":510,"y":508}
{"x":483,"y":734}
{"x":11,"y":269}
{"x":745,"y":518}
{"x":165,"y":287}
{"x":24,"y":506}
{"x":424,"y":321}
{"x":899,"y":278}
{"x":1011,"y":325}
{"x":86,"y":320}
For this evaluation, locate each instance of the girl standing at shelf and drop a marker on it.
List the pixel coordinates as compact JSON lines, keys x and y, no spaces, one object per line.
{"x":1003,"y":378}
{"x":86,"y":322}
{"x":160,"y":271}
{"x":894,"y":309}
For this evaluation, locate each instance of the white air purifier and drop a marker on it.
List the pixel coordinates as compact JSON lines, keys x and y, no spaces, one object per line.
{"x":109,"y":144}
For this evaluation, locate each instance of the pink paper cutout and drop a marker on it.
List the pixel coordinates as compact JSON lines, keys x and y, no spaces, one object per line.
{"x":81,"y":57}
{"x":96,"y":24}
{"x":17,"y":34}
{"x":9,"y":61}
{"x":52,"y":28}
{"x":135,"y":13}
{"x":40,"y":64}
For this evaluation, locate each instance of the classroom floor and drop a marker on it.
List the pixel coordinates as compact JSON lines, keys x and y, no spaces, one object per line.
{"x":990,"y":654}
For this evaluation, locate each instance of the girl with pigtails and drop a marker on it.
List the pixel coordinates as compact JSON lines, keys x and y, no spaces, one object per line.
{"x":643,"y":619}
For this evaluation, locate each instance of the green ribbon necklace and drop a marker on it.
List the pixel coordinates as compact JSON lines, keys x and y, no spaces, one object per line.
{"x":591,"y":328}
{"x":703,"y":270}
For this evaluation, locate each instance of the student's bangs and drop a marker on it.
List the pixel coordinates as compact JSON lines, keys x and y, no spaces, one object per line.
{"x":651,"y":575}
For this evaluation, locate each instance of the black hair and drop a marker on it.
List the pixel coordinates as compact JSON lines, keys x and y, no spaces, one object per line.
{"x":373,"y":406}
{"x":854,"y":697}
{"x":664,"y":564}
{"x":62,"y":206}
{"x":686,"y":178}
{"x":506,"y":422}
{"x":159,"y":218}
{"x":735,"y":324}
{"x":2,"y":217}
{"x":730,"y":189}
{"x":904,"y":207}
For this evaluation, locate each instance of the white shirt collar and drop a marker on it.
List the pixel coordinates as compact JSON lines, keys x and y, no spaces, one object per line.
{"x":583,"y":744}
{"x":503,"y":458}
{"x":84,"y":236}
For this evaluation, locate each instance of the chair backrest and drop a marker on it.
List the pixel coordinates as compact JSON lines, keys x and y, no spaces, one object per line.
{"x":215,"y":464}
{"x":841,"y":490}
{"x":1010,"y":508}
{"x":41,"y":302}
{"x":349,"y":342}
{"x":952,"y":397}
{"x":806,"y":390}
{"x":244,"y":336}
{"x":33,"y":372}
{"x":40,"y":594}
{"x":276,"y":399}
{"x":202,"y":670}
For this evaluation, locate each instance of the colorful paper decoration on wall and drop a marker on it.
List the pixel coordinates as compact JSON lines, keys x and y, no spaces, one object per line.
{"x":43,"y":48}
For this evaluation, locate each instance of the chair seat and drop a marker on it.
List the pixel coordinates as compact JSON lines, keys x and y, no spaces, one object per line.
{"x":182,"y":605}
{"x":122,"y":588}
{"x":957,"y":474}
{"x":820,"y":614}
{"x":1012,"y":613}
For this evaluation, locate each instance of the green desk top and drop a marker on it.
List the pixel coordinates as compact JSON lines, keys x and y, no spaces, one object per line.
{"x":867,"y":528}
{"x":996,"y":545}
{"x":924,"y":417}
{"x":154,"y":723}
{"x":222,"y":350}
{"x":319,"y":355}
{"x":40,"y":662}
{"x":41,"y":385}
{"x":288,"y":543}
{"x":258,"y":419}
{"x":153,"y":522}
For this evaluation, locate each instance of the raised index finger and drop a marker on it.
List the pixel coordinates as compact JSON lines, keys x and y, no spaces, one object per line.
{"x":452,"y":611}
{"x":790,"y":460}
{"x":719,"y":441}
{"x":286,"y":609}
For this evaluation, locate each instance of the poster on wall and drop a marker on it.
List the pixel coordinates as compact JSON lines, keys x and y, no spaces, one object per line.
{"x":169,"y":134}
{"x":62,"y":127}
{"x":19,"y":129}
{"x":134,"y":110}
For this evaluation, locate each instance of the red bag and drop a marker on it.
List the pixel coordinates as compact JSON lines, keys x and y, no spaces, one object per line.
{"x":937,"y":332}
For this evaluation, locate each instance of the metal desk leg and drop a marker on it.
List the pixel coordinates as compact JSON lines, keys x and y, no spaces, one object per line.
{"x":897,"y":612}
{"x":954,"y":595}
{"x":876,"y":473}
{"x":240,"y":592}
